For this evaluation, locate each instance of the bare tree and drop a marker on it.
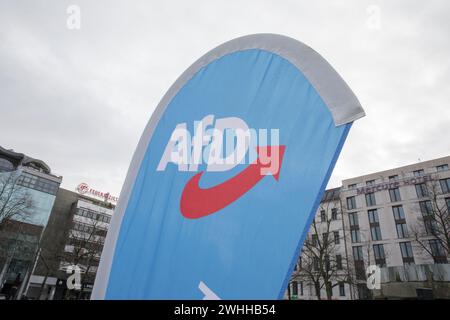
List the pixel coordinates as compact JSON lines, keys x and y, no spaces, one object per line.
{"x":86,"y":239}
{"x":322,"y":264}
{"x":15,"y":204}
{"x":432,"y":231}
{"x":15,"y":201}
{"x":308,"y":269}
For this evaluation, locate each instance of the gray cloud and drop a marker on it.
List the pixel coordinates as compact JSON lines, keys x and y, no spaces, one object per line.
{"x":80,"y":99}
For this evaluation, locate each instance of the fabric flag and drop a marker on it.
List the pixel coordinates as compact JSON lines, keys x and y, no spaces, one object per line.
{"x":228,"y":175}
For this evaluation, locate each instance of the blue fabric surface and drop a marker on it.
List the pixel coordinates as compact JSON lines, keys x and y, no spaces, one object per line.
{"x":247,"y":249}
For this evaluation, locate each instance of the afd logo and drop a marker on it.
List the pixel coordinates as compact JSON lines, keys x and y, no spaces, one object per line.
{"x":219,"y":146}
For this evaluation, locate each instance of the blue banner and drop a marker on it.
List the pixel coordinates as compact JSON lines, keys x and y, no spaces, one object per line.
{"x":228,"y":175}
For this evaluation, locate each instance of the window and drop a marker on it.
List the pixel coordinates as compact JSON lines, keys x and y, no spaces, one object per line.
{"x":315,"y":264}
{"x":325,"y":238}
{"x":323,"y":216}
{"x":351,"y":203}
{"x":428,"y":218}
{"x":314,"y":240}
{"x":395,"y":194}
{"x":80,"y":212}
{"x":6,"y":165}
{"x":380,"y":257}
{"x":438,"y":251}
{"x":294,"y":286}
{"x":357,"y":253}
{"x":430,"y":225}
{"x":336,"y":237}
{"x":426,"y":208}
{"x":334,"y":214}
{"x":443,"y":167}
{"x":418,"y":173}
{"x":421,"y":190}
{"x":402,"y":230}
{"x":301,"y":287}
{"x":103,"y":218}
{"x":370,"y":199}
{"x":83,"y":227}
{"x":373,"y":216}
{"x":341,"y":289}
{"x":332,"y":194}
{"x":399,"y":214}
{"x":375,"y":232}
{"x":353,"y":217}
{"x":338,"y":262}
{"x":86,"y":213}
{"x":37,"y":183}
{"x":356,"y":237}
{"x":400,"y":222}
{"x":354,"y":227}
{"x":393,"y":178}
{"x":407,"y":253}
{"x":352,"y":186}
{"x":327,"y":262}
{"x":370,"y":183}
{"x":445,"y":185}
{"x":374,"y":222}
{"x":447,"y":200}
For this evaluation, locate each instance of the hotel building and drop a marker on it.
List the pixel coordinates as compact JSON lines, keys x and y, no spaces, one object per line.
{"x":396,"y":219}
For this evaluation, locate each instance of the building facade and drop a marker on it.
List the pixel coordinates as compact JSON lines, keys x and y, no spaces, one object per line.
{"x":397,"y":220}
{"x":73,"y":242}
{"x":324,"y":255}
{"x":27,"y":194}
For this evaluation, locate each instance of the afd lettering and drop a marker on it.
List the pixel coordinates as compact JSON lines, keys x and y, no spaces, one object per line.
{"x":221,"y":144}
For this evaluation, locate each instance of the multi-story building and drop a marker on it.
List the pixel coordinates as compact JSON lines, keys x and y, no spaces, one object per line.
{"x":27,"y":194}
{"x":73,"y":241}
{"x":396,"y":219}
{"x":324,"y":254}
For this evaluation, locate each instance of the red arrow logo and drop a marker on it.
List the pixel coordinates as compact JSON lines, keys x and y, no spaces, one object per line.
{"x":197,"y":202}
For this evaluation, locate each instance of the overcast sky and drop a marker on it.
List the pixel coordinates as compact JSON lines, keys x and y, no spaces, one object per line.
{"x":79,"y":99}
